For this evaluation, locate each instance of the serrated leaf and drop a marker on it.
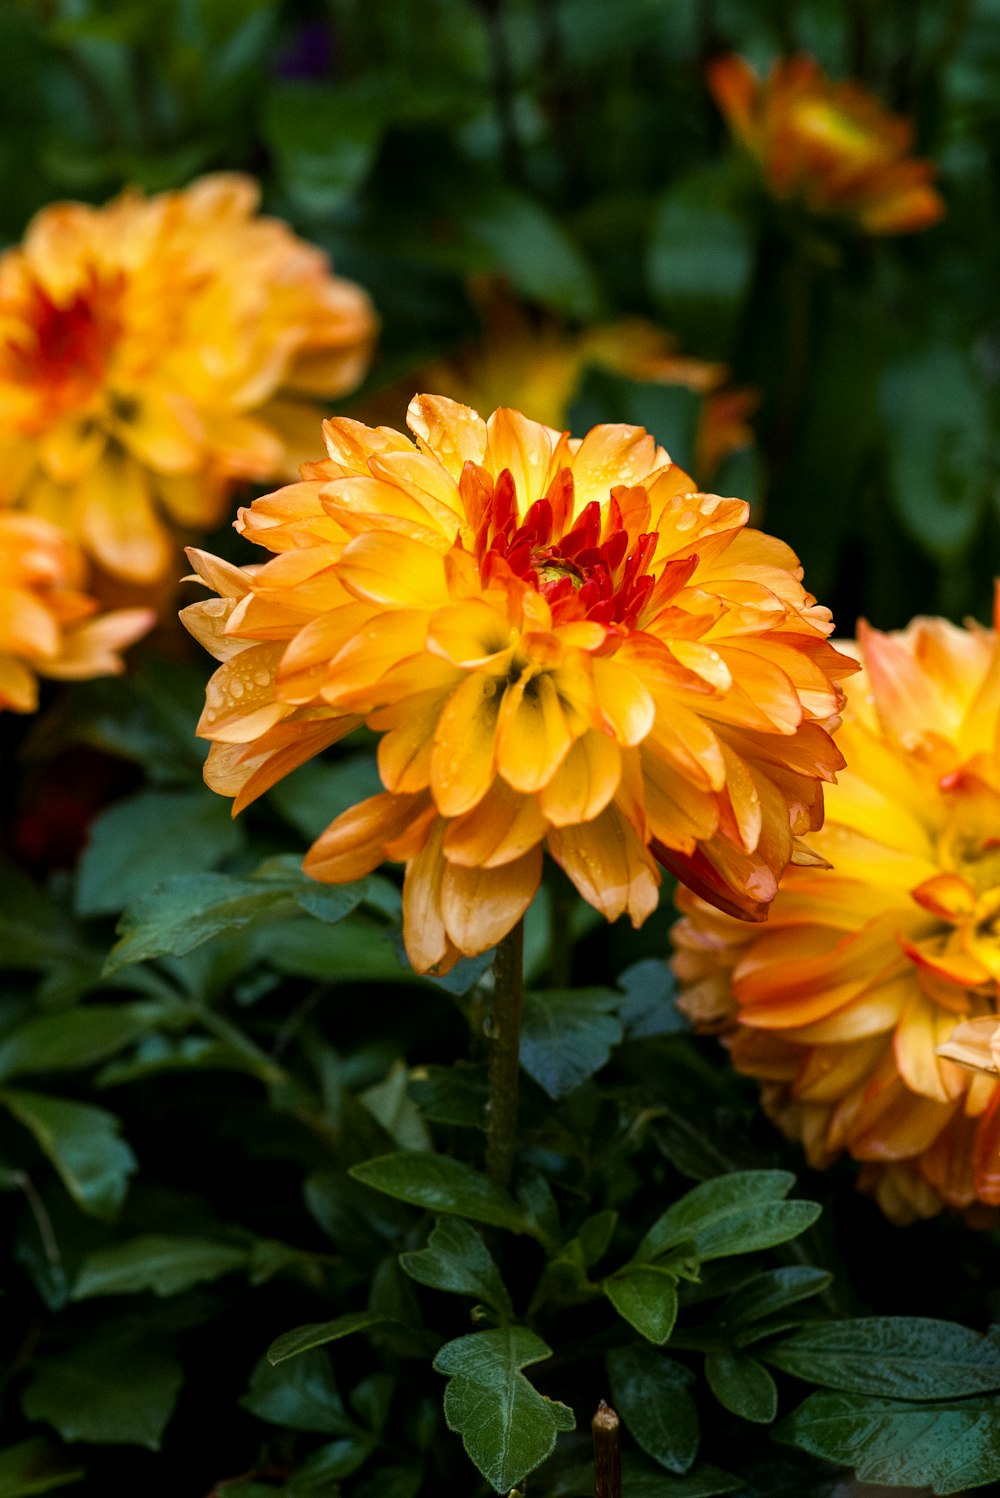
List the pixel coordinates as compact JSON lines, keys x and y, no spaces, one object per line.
{"x":440,"y":1184}
{"x":457,"y":1259}
{"x":741,"y":1385}
{"x":506,"y":1426}
{"x":184,"y":912}
{"x":949,"y":1448}
{"x":317,"y":1333}
{"x":82,"y":1143}
{"x":896,"y":1357}
{"x":300,"y":1395}
{"x":646,"y":1298}
{"x":146,"y":838}
{"x":650,"y":1393}
{"x":114,"y":1389}
{"x":567,"y":1036}
{"x":36,"y":1466}
{"x":648,"y":1008}
{"x":76,"y":1038}
{"x":732,"y":1214}
{"x":157,"y":1262}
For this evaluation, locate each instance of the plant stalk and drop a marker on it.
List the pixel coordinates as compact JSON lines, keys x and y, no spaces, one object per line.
{"x":505,"y":1047}
{"x":606,"y":1428}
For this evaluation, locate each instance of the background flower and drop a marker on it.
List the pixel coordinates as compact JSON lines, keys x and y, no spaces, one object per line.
{"x":561,"y":644}
{"x":834,"y":146}
{"x":841,"y":1004}
{"x":156,"y":351}
{"x":48,"y":624}
{"x":528,"y":359}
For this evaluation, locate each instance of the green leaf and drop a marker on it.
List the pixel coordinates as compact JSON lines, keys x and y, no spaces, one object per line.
{"x":700,"y":256}
{"x":740,"y":1384}
{"x":83,"y":1144}
{"x":114,"y":1389}
{"x":703,"y":1481}
{"x":76,"y":1038}
{"x":441,"y":1184}
{"x":648,"y":1008}
{"x":457,"y":1259}
{"x":567,"y":1036}
{"x":324,"y":139}
{"x":937,"y":424}
{"x":184,"y":912}
{"x":323,"y":1467}
{"x":898,"y":1357}
{"x":166,"y":1265}
{"x":650,"y":1393}
{"x":300,"y":1395}
{"x":506,"y":1426}
{"x":520,"y":238}
{"x":774,"y":1290}
{"x":732,"y":1214}
{"x":647,"y":1299}
{"x":34,"y":1466}
{"x":949,"y":1448}
{"x":317,"y":1333}
{"x":139,"y":842}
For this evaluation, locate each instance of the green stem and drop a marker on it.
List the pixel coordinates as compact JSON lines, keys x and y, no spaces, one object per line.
{"x":505,"y":1046}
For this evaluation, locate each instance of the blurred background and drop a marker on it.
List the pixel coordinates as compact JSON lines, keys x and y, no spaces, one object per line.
{"x":548,"y":210}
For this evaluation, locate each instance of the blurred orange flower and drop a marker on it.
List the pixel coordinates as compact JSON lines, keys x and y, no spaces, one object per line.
{"x":48,"y":626}
{"x":560,"y":643}
{"x":853,"y":1005}
{"x":526,"y":359}
{"x":157,"y":350}
{"x":832,"y":145}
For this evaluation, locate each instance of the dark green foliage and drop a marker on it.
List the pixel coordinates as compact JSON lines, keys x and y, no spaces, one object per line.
{"x":241,"y":1145}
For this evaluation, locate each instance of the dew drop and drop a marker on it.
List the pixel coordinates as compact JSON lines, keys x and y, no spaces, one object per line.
{"x":236,"y":687}
{"x":262,"y":678}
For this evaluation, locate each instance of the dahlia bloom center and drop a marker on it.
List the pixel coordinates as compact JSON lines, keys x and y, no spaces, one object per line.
{"x":62,"y":350}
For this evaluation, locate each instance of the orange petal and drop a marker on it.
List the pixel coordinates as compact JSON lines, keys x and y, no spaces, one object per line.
{"x":482,"y":905}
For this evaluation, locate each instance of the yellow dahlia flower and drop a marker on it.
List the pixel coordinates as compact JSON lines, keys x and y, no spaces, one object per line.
{"x":561,"y":644}
{"x":870,"y":981}
{"x":157,"y":350}
{"x":48,"y":625}
{"x":834,"y":146}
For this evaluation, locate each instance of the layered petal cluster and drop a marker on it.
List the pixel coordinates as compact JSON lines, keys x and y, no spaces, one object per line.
{"x":527,"y":359}
{"x":560,"y":643}
{"x":874,"y":986}
{"x":833,"y":146}
{"x":157,"y":350}
{"x":48,"y":624}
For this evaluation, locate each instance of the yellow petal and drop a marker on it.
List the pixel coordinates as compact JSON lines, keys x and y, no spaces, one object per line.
{"x":463,"y":760}
{"x":482,"y":905}
{"x":533,"y":737}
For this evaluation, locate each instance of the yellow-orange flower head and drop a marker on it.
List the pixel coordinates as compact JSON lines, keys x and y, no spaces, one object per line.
{"x":48,"y":625}
{"x":561,"y":644}
{"x":154,"y":352}
{"x":833,"y":146}
{"x":840,"y":1005}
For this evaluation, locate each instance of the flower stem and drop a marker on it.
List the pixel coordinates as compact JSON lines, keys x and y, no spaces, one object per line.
{"x":505,"y":1046}
{"x":606,"y":1430}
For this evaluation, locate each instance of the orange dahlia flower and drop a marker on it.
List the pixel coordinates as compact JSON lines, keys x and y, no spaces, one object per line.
{"x":48,"y":625}
{"x":157,"y":350}
{"x":560,"y":643}
{"x":870,"y":981}
{"x":527,"y":359}
{"x":834,"y":146}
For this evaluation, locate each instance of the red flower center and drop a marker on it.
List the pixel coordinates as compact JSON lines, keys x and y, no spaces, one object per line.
{"x":63,"y":350}
{"x":597,"y":569}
